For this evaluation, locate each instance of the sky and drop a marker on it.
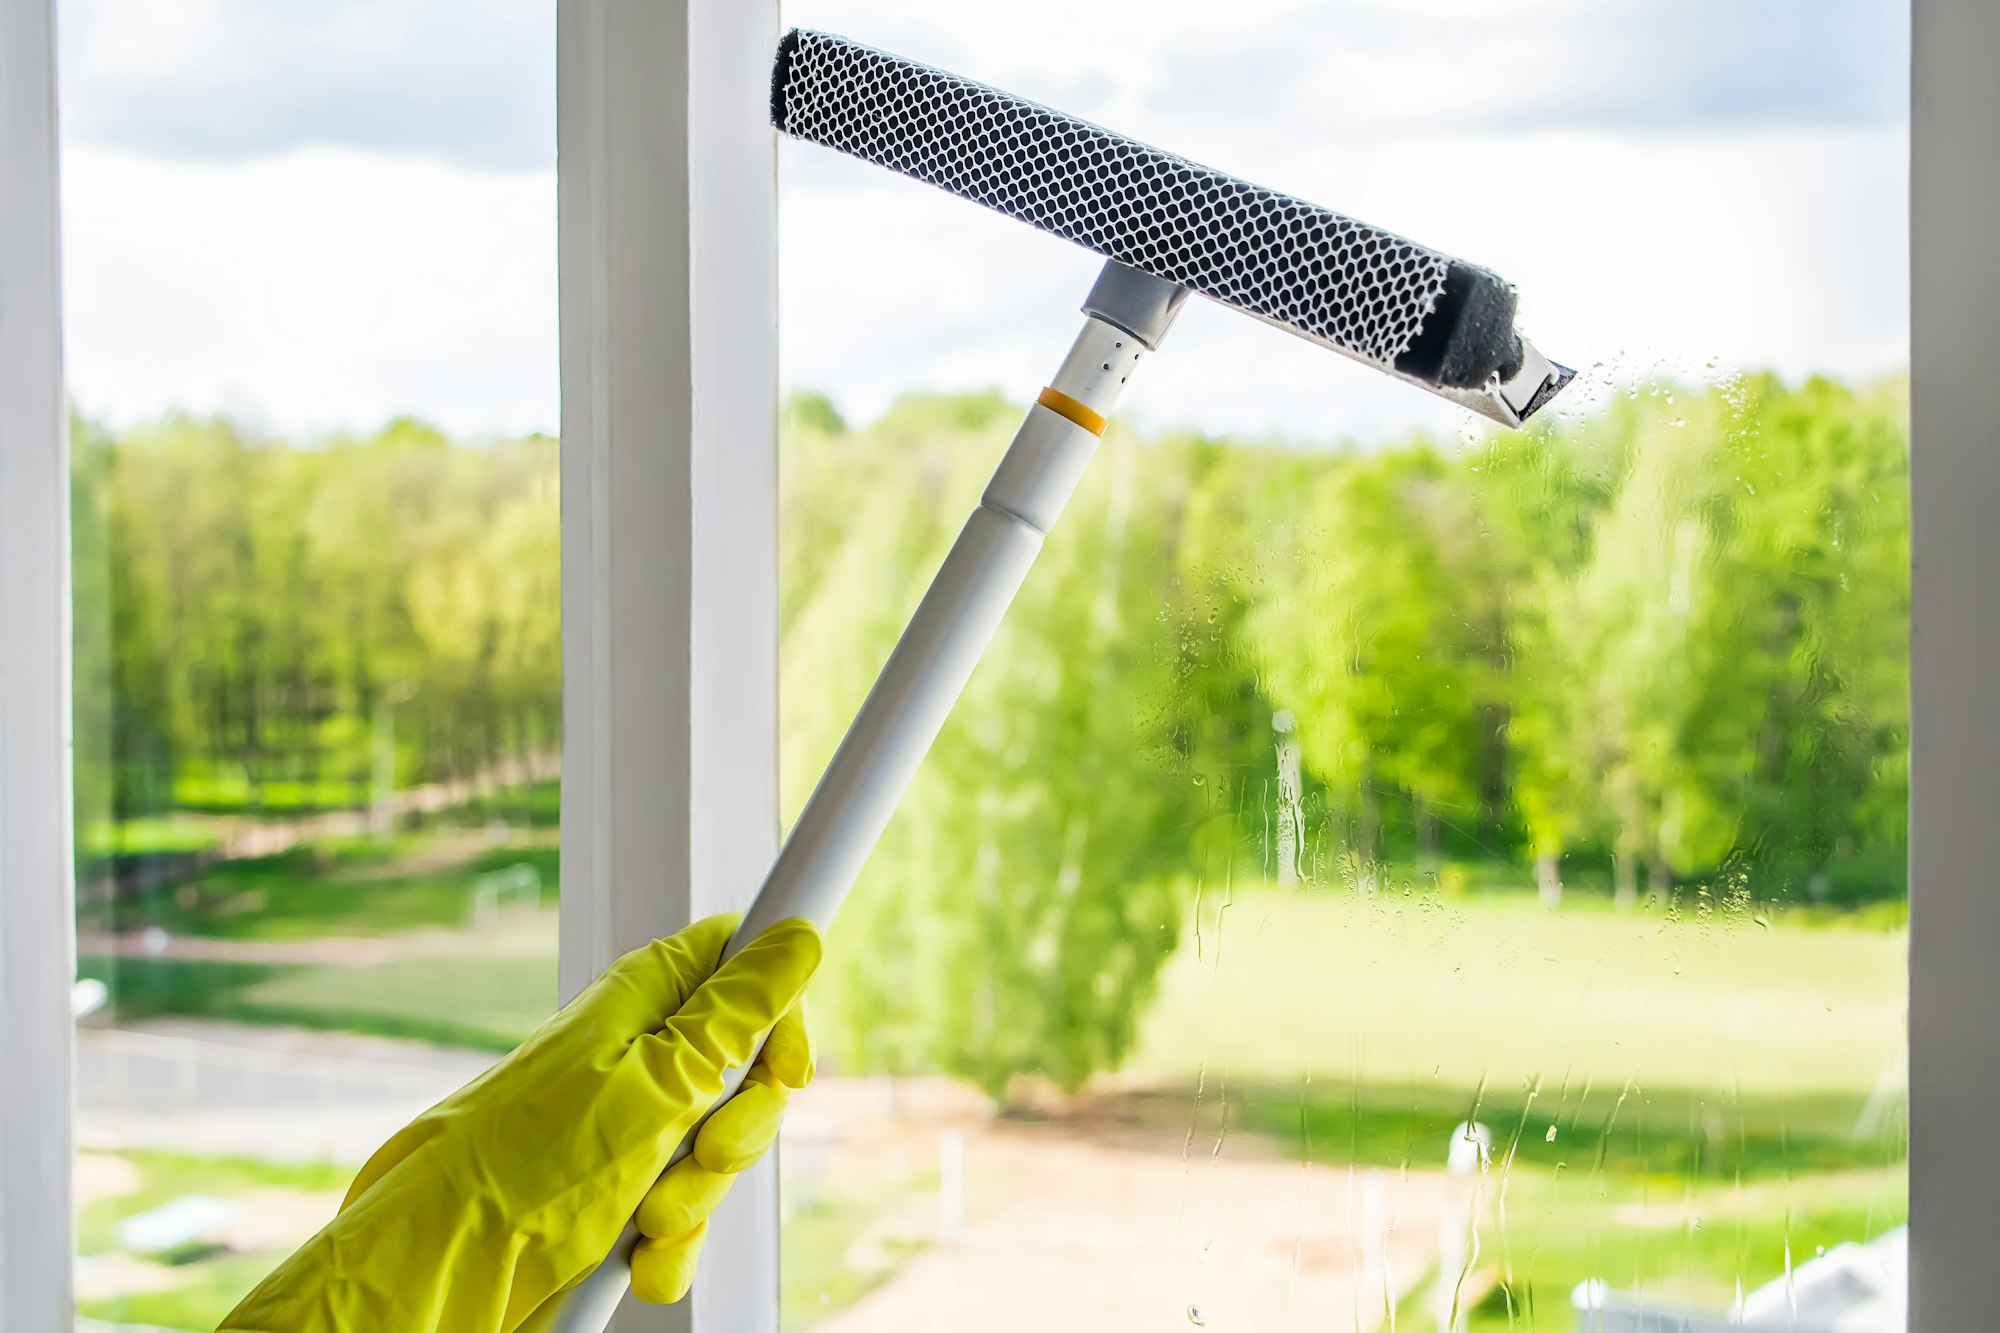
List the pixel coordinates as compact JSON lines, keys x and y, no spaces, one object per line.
{"x":319,"y":214}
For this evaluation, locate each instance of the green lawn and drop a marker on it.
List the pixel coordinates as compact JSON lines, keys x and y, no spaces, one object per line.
{"x":204,"y":1286}
{"x":1676,"y":1095}
{"x":818,"y":1276}
{"x":208,"y":1290}
{"x":358,"y":887}
{"x":166,"y":1176}
{"x":819,"y":1273}
{"x":149,"y":836}
{"x":1492,"y":989}
{"x":1674,"y":1240}
{"x":485,"y":1003}
{"x":1676,"y":1099}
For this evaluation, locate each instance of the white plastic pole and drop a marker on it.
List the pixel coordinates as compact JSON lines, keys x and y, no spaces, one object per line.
{"x":858,"y":793}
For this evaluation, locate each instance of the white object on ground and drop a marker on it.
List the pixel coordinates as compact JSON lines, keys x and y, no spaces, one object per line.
{"x":87,"y":996}
{"x":1858,"y":1287}
{"x":172,"y":1225}
{"x":951,"y":1186}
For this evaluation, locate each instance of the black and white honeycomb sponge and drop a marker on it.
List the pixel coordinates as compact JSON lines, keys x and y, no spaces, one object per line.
{"x":1362,"y":291}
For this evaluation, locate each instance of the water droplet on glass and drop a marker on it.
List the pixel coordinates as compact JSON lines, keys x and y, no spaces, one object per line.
{"x":1550,"y":1137}
{"x":1194,"y":1317}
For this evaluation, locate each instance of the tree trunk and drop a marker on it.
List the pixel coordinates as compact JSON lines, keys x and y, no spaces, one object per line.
{"x":1427,"y":839}
{"x":1659,"y":880}
{"x":1548,"y":880}
{"x":1624,"y":880}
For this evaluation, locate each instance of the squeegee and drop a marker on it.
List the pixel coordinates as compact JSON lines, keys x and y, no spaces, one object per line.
{"x":1167,"y":228}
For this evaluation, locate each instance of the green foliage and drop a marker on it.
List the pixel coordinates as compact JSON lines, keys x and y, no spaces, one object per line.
{"x":1014,"y":919}
{"x":285,"y":621}
{"x":1670,"y":634}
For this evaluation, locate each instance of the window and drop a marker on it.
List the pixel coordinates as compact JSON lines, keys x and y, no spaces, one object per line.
{"x":311,"y":351}
{"x":951,"y":1186}
{"x":1385,"y":872}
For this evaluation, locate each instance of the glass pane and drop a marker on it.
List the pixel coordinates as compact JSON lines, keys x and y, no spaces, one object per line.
{"x":311,"y":338}
{"x":1387,"y":871}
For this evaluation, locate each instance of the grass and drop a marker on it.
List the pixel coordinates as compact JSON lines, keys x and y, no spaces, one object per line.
{"x":155,"y":835}
{"x":208,"y":1286}
{"x":211,"y":1290}
{"x":480,"y":1003}
{"x":818,"y":1275}
{"x":1492,"y":990}
{"x":486,"y":1004}
{"x":485,"y":994}
{"x":1676,"y":1096}
{"x":233,"y":793}
{"x":166,"y":1176}
{"x":527,"y":805}
{"x":1675,"y":1093}
{"x":357,"y":887}
{"x":1696,"y":1135}
{"x":1679,"y":1245}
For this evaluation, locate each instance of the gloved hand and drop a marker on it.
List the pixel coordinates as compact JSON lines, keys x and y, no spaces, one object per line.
{"x":513,"y":1187}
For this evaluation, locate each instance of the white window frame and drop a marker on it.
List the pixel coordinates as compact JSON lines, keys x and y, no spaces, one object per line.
{"x":667,"y":200}
{"x":1954,"y":646}
{"x":37,"y":895}
{"x":668,"y":257}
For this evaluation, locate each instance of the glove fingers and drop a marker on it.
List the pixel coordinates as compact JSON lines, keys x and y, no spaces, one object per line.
{"x":788,"y":1050}
{"x":722,"y":1022}
{"x":742,"y":1128}
{"x":682,"y":1199}
{"x":663,"y":1269}
{"x":643,"y":989}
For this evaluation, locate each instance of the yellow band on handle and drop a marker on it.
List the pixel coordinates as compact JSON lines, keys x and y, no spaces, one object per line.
{"x":1065,"y":406}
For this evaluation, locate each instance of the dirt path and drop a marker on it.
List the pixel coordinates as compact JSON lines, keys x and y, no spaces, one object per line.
{"x":1102,"y":1239}
{"x":1068,"y":1227}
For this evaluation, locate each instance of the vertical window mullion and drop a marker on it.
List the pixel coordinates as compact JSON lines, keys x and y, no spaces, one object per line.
{"x":669,"y":481}
{"x":37,"y":935}
{"x":1955,"y":641}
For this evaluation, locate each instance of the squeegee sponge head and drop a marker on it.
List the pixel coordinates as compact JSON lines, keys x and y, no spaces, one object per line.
{"x":1353,"y":287}
{"x":1469,"y":335}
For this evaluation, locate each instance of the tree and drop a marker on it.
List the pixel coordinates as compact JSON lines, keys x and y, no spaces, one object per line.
{"x":1538,"y":496}
{"x":1360,"y":631}
{"x":1015,"y":917}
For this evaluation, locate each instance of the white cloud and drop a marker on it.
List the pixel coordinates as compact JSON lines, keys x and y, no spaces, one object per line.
{"x":1686,"y":256}
{"x":466,"y":81}
{"x":321,"y":287}
{"x":327,"y":288}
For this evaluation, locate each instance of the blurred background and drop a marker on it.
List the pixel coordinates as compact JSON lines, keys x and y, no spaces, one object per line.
{"x":1388,"y":872}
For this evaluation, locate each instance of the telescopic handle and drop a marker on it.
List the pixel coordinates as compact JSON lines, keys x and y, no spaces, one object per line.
{"x":907,"y":707}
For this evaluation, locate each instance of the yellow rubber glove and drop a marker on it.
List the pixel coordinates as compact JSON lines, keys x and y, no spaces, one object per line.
{"x":513,"y":1187}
